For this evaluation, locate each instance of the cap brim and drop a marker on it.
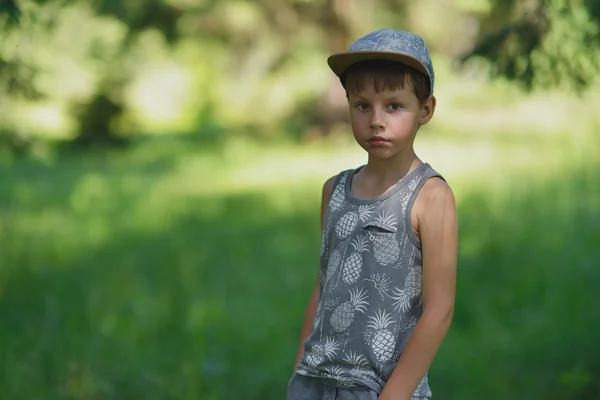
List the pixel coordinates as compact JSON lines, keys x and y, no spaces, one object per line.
{"x":340,"y":62}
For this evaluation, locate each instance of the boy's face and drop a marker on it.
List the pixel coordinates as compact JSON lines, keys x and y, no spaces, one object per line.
{"x":385,"y":123}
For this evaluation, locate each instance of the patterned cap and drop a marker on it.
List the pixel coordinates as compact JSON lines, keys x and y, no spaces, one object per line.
{"x":386,"y":44}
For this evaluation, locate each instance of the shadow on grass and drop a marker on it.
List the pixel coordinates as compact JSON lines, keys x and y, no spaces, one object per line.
{"x":210,"y":305}
{"x":192,"y":311}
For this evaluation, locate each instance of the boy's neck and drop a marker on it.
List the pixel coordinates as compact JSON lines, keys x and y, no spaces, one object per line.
{"x":392,"y":169}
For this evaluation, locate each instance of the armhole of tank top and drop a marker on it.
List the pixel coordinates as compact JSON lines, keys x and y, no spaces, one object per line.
{"x":336,"y":183}
{"x":338,"y":178}
{"x":411,"y":201}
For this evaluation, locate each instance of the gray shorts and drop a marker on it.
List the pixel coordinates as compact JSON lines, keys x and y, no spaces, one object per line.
{"x":305,"y":388}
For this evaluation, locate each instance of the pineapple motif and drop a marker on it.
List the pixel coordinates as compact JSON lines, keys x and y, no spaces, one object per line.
{"x":354,"y":359}
{"x":382,"y":341}
{"x":334,"y":262}
{"x":333,"y":266}
{"x":331,"y":304}
{"x":412,"y":186}
{"x":385,"y":245}
{"x":412,"y":290}
{"x":360,"y":366}
{"x":337,"y":373}
{"x":404,"y":201}
{"x":337,"y":197}
{"x":353,"y":264}
{"x":343,"y":316}
{"x":382,"y":283}
{"x":319,"y":351}
{"x":346,"y":224}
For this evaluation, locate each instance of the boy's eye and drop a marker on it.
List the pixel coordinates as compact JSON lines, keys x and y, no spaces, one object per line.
{"x":362,"y":106}
{"x":395,"y":106}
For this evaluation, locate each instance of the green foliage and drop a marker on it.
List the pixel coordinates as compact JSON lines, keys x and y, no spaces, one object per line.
{"x":173,"y":66}
{"x":543,"y":43}
{"x":11,"y":9}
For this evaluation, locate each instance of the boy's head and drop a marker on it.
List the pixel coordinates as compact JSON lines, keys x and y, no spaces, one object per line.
{"x":389,"y":59}
{"x":388,"y":77}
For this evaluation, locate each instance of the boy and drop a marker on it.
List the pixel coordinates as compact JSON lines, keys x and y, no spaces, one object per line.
{"x":384,"y":296}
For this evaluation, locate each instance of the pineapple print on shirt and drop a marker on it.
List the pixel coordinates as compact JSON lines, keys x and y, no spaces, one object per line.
{"x":329,"y":278}
{"x":381,"y":282}
{"x":348,"y":222}
{"x":382,"y":233}
{"x":412,"y":186}
{"x":411,"y":291}
{"x":334,"y":262}
{"x":343,"y":316}
{"x":319,"y":351}
{"x":370,"y":286}
{"x":360,"y":366}
{"x":338,"y":374}
{"x":335,"y":203}
{"x":379,"y":337}
{"x":337,"y":197}
{"x":353,"y":264}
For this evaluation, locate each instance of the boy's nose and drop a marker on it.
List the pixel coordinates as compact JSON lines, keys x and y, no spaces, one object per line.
{"x":377,"y":121}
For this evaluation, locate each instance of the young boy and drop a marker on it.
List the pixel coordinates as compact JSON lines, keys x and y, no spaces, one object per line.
{"x":384,"y":296}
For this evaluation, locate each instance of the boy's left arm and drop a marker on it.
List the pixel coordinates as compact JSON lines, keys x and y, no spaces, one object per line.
{"x":435,"y":209}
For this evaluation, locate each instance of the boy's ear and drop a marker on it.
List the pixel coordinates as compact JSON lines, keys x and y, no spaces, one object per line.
{"x":427,"y":110}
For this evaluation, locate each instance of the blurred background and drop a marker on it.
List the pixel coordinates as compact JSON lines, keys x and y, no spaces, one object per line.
{"x":161,"y":163}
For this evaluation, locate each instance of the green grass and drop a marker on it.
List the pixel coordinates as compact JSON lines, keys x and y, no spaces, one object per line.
{"x":173,"y":270}
{"x":127,"y":281}
{"x":106,"y":292}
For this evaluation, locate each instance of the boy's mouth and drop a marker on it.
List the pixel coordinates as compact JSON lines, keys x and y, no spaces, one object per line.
{"x":378,"y":140}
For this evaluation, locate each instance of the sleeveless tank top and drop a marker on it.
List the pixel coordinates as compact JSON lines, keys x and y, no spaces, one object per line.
{"x":370,"y":286}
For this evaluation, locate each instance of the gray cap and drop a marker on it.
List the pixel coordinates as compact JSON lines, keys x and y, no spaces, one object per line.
{"x":386,"y":44}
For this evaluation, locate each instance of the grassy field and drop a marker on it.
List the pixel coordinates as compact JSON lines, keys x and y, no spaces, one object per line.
{"x":172,"y":271}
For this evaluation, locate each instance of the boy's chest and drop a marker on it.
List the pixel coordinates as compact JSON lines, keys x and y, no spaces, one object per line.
{"x":376,"y":223}
{"x":361,"y":240}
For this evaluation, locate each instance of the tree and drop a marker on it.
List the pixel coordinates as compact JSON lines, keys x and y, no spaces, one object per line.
{"x":542,"y":43}
{"x":535,"y":43}
{"x":94,"y":115}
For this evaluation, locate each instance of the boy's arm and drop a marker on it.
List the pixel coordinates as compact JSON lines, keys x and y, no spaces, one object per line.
{"x":311,"y":308}
{"x":435,"y":210}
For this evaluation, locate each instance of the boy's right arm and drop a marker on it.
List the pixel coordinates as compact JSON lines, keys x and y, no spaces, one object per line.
{"x":311,"y":308}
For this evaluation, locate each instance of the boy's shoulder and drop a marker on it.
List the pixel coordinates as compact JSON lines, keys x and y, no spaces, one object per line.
{"x":332,"y":180}
{"x":436,"y":189}
{"x":435,"y":200}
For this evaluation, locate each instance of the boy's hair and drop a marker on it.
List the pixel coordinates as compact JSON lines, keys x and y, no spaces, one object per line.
{"x":385,"y":75}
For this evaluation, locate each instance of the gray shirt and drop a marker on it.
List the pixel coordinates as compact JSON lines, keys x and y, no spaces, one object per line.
{"x":370,"y":286}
